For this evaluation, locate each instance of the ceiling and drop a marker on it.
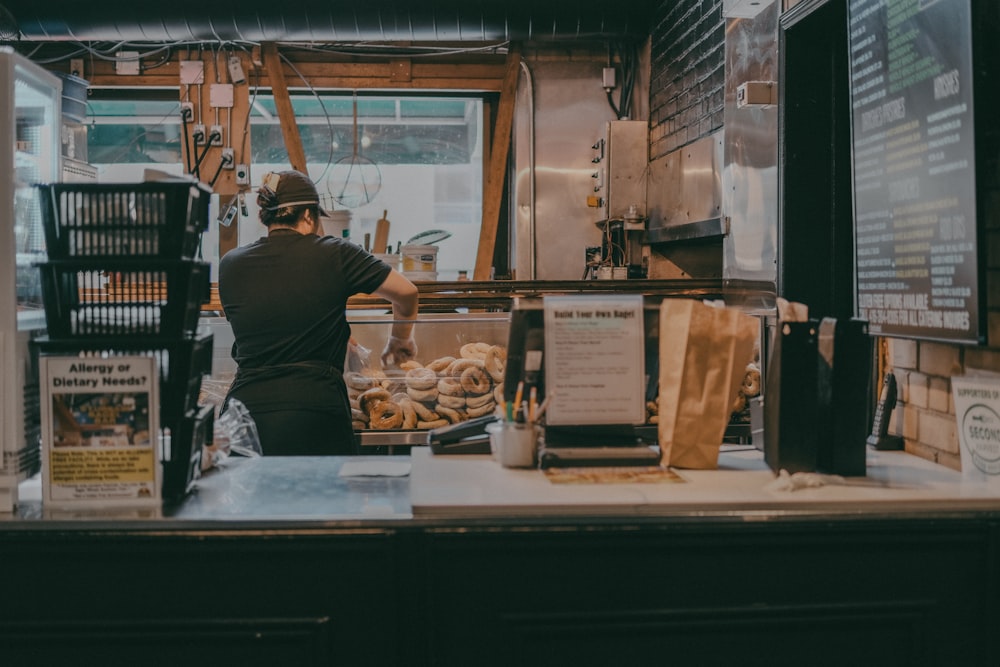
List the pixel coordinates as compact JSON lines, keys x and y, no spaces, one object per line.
{"x":325,"y":20}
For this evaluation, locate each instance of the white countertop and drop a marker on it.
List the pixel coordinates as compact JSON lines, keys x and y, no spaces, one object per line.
{"x":476,"y":485}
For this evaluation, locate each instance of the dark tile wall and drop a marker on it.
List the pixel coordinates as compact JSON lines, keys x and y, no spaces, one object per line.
{"x":686,"y":89}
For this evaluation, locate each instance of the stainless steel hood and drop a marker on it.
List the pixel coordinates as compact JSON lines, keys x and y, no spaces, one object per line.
{"x":328,"y":20}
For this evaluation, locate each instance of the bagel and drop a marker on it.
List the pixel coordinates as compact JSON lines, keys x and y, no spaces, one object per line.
{"x":437,"y":423}
{"x":410,"y":365}
{"x":439,"y":366}
{"x":424,"y":413}
{"x":450,"y":386}
{"x":459,"y":365}
{"x":453,"y":416}
{"x":475,"y":381}
{"x":751,"y":382}
{"x":740,"y":403}
{"x":359,"y":416}
{"x":358,"y":381}
{"x":474,"y":350}
{"x":496,"y":362}
{"x":368,"y":399}
{"x":453,"y":402}
{"x":394,"y":380}
{"x":409,"y":413}
{"x":480,"y":401}
{"x":482,"y":410}
{"x":498,"y":392}
{"x":421,"y":378}
{"x":358,"y":426}
{"x":386,"y":415}
{"x":423,"y":395}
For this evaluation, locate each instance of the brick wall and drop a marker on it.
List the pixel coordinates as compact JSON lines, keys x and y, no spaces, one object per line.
{"x":925,"y":411}
{"x":687,"y":78}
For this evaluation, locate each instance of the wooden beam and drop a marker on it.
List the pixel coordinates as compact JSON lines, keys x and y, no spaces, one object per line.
{"x":493,"y":195}
{"x":283,"y":104}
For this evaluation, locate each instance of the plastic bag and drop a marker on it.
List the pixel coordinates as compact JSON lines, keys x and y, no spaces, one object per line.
{"x":358,"y":357}
{"x":235,"y":434}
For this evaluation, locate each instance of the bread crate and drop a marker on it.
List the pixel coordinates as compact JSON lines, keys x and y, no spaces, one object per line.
{"x":125,"y":298}
{"x":160,"y":219}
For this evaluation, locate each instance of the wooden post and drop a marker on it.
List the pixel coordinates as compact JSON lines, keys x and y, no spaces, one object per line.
{"x":493,"y":195}
{"x":283,"y":104}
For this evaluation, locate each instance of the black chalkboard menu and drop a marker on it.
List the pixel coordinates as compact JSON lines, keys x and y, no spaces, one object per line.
{"x":914,"y":169}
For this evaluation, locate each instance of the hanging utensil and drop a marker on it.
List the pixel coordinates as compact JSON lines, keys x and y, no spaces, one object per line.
{"x":354,"y":180}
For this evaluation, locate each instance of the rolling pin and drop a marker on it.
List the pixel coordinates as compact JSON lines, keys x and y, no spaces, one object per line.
{"x":382,"y":234}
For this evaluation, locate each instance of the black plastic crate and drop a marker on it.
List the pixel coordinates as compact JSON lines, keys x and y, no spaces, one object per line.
{"x":182,"y":451}
{"x":126,"y":298}
{"x":161,"y":219}
{"x":182,"y":364}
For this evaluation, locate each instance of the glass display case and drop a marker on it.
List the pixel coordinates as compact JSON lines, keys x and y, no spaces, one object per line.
{"x":457,"y":375}
{"x":29,"y":154}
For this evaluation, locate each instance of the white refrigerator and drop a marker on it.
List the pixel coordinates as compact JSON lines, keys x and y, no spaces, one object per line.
{"x":30,"y":125}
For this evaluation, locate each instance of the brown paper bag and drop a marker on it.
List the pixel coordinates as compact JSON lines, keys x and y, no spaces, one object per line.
{"x":704,"y":351}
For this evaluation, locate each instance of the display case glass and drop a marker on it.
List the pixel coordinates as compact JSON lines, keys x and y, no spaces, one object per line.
{"x":457,"y":374}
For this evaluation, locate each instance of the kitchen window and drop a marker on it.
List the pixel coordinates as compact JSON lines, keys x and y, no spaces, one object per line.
{"x":418,"y":159}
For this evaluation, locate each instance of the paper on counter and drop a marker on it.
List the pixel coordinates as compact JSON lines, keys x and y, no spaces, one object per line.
{"x":375,"y":469}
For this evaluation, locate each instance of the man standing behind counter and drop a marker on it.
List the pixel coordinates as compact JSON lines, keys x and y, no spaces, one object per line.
{"x":285,"y":296}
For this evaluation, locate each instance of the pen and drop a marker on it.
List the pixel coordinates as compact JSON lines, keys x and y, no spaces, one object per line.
{"x":532,"y":401}
{"x":541,"y":408}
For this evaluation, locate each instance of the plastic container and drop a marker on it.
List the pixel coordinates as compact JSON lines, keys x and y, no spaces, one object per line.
{"x":163,"y":219}
{"x":127,"y":298}
{"x":390,"y":259}
{"x":419,"y":258}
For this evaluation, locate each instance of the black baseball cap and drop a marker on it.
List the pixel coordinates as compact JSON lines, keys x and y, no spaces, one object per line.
{"x":292,"y":188}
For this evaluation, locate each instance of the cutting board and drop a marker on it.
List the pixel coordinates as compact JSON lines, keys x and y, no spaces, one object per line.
{"x":381,"y":234}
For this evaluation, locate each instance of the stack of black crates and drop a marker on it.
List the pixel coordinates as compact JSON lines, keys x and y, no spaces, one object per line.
{"x":123,"y":278}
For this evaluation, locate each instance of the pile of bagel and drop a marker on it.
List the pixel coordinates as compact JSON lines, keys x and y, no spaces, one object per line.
{"x":444,"y":391}
{"x":749,"y":388}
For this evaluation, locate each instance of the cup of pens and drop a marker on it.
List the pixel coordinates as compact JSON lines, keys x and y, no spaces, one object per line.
{"x":513,"y":443}
{"x":514,"y":438}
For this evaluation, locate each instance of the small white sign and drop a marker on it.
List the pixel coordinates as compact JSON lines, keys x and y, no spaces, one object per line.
{"x":977,"y":412}
{"x":595,"y":360}
{"x":100,"y":428}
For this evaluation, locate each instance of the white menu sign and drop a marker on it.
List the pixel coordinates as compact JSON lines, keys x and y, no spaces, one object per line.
{"x":594,"y":360}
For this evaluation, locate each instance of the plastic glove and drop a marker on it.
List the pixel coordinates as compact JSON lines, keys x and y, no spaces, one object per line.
{"x":398,"y":350}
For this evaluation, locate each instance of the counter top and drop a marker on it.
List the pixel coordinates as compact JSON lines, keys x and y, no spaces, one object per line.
{"x":392,"y":492}
{"x":477,"y":486}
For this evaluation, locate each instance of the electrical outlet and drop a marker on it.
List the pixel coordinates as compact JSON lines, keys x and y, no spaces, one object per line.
{"x":215,"y":135}
{"x":199,"y":134}
{"x":242,"y":175}
{"x":228,"y":158}
{"x":187,"y":111}
{"x":236,"y":74}
{"x":608,"y":77}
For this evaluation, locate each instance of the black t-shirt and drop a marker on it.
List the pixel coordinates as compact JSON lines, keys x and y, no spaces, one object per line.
{"x":286,"y":298}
